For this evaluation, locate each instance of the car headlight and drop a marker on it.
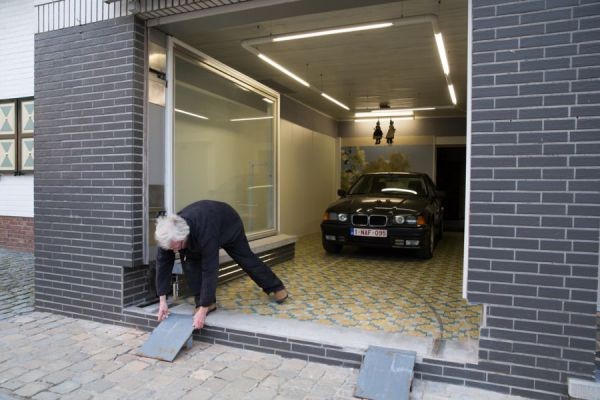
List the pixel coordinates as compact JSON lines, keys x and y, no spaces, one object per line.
{"x":332,"y":216}
{"x":411,"y":219}
{"x":399,"y":219}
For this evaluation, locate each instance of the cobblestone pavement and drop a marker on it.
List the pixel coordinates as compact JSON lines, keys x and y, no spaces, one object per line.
{"x":44,"y":356}
{"x":16,"y":283}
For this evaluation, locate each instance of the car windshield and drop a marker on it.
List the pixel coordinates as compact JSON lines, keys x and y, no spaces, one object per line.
{"x":389,"y":185}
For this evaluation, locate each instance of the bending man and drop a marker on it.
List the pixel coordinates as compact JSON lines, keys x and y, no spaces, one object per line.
{"x":197,"y":232}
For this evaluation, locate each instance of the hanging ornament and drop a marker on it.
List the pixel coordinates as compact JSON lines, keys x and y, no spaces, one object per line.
{"x":377,"y":134}
{"x":389,"y":137}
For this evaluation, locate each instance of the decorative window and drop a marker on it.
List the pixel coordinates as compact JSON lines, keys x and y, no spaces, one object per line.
{"x":16,"y":136}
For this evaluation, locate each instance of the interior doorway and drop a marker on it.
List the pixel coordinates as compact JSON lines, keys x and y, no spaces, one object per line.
{"x":450,"y":178}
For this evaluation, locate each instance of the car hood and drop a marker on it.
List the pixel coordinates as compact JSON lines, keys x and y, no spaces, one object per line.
{"x":379,"y":205}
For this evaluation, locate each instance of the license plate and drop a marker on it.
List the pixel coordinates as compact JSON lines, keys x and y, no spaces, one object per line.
{"x":368,"y":232}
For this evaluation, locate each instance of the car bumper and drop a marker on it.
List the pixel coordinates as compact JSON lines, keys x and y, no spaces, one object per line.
{"x":397,"y":237}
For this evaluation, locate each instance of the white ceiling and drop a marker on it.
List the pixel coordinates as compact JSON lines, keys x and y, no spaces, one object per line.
{"x":399,"y":65}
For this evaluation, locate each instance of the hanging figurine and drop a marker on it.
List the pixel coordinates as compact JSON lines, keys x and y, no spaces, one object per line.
{"x":389,"y":137}
{"x":377,"y":134}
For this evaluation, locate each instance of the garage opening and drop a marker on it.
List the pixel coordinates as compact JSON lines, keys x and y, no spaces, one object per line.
{"x":274,"y":112}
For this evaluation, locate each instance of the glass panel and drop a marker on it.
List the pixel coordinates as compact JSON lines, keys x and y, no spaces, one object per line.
{"x":27,"y":154}
{"x":7,"y":155}
{"x":27,"y":117}
{"x":223,"y":144}
{"x":7,"y":118}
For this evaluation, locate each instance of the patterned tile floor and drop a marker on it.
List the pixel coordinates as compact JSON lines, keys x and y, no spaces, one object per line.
{"x":390,"y":291}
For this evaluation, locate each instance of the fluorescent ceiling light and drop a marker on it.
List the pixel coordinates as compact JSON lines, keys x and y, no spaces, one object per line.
{"x":385,"y":113}
{"x":283,"y":69}
{"x":267,"y":100}
{"x":332,"y":31}
{"x":452,"y":94}
{"x":328,"y":97}
{"x":241,"y":87}
{"x":379,"y":119}
{"x":249,"y":119}
{"x":190,"y":114}
{"x":250,"y":45}
{"x":442,"y":51}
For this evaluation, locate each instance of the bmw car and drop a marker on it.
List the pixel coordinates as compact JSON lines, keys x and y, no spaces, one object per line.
{"x":386,"y":209}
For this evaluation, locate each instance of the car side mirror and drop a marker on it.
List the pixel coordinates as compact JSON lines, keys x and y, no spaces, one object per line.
{"x":341,"y":193}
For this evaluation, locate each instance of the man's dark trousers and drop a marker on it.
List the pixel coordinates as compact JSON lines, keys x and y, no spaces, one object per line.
{"x":239,"y":250}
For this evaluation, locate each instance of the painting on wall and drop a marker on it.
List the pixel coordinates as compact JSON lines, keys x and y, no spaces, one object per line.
{"x":357,"y":160}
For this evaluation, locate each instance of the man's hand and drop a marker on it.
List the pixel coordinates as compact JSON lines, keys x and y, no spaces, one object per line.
{"x":200,"y":317}
{"x":163,"y":309}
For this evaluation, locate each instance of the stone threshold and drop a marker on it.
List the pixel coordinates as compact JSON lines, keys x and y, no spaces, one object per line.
{"x":310,"y":340}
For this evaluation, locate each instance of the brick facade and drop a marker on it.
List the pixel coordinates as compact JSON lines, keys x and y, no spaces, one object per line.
{"x":89,"y":83}
{"x":534,"y":211}
{"x":533,"y":254}
{"x":16,"y":233}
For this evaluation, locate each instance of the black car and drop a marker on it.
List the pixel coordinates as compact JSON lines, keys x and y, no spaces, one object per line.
{"x":386,"y":209}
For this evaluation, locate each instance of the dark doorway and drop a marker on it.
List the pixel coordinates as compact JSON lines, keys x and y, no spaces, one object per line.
{"x":450,"y":178}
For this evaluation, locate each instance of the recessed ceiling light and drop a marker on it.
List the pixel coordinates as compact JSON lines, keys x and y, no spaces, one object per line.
{"x":452,"y":93}
{"x":417,"y":19}
{"x":385,"y":113}
{"x":283,"y":69}
{"x":328,"y":97}
{"x":442,"y":52}
{"x":334,"y":31}
{"x":379,"y":119}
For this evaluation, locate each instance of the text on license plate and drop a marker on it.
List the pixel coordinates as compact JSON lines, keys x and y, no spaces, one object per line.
{"x":368,"y":232}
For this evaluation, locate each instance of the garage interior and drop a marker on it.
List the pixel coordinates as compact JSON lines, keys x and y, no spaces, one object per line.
{"x":381,"y":295}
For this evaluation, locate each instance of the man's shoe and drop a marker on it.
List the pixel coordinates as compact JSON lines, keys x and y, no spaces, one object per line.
{"x":281,"y":296}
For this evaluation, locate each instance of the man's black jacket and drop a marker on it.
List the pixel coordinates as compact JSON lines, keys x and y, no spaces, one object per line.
{"x":213,"y":225}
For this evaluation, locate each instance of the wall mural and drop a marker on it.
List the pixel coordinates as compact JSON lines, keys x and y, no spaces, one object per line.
{"x":357,"y":160}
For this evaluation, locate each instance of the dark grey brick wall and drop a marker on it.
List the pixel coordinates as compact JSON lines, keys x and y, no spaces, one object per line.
{"x":533,"y":258}
{"x":89,"y":83}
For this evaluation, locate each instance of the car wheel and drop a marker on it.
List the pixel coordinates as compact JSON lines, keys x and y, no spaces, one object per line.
{"x":426,"y":252}
{"x":334,"y":248}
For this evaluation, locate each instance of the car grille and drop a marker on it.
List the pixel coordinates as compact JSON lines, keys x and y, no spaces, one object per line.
{"x":377,"y":220}
{"x":362,"y":220}
{"x":369,"y":220}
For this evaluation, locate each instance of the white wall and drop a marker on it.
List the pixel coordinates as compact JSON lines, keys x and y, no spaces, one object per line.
{"x":16,"y":196}
{"x":16,"y":48}
{"x":309,"y":177}
{"x":16,"y":66}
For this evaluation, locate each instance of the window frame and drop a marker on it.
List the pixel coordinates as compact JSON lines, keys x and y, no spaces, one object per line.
{"x":176,"y":46}
{"x":18,"y":136}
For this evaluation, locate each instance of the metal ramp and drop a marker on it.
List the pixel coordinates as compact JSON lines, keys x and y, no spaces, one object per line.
{"x":168,"y":338}
{"x":386,"y":374}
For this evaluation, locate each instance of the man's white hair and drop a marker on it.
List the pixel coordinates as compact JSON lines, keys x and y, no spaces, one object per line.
{"x":170,"y":228}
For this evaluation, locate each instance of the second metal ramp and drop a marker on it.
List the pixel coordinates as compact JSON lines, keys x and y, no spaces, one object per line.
{"x":386,"y":374}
